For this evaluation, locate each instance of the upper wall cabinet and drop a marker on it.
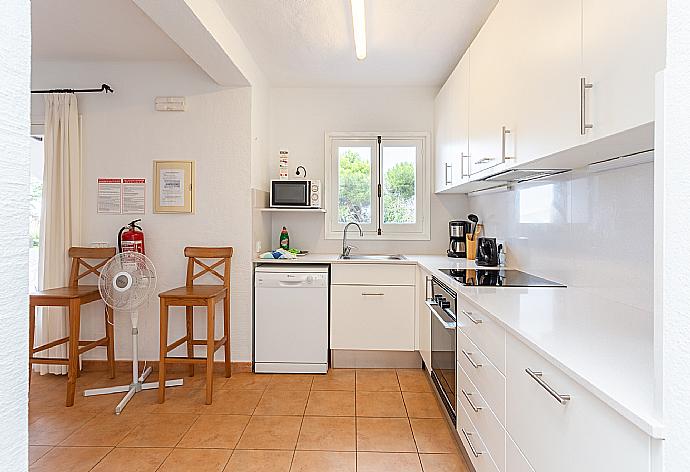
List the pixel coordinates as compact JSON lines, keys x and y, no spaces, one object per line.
{"x":623,"y":46}
{"x":451,"y":118}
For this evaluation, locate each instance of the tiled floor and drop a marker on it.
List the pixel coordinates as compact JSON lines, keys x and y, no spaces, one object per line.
{"x":347,"y":420}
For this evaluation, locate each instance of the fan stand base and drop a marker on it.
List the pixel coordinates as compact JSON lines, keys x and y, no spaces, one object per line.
{"x":131,"y":389}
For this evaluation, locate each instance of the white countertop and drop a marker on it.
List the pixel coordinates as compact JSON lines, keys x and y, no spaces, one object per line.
{"x":606,"y":346}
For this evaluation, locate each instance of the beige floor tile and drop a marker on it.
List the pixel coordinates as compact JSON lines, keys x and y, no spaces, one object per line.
{"x":159,"y":430}
{"x":380,"y":404}
{"x":388,"y":461}
{"x":132,"y":459}
{"x":271,"y":432}
{"x":186,"y":460}
{"x":182,"y":400}
{"x":327,"y":434}
{"x":384,"y":435}
{"x":290,"y":382}
{"x":71,"y":459}
{"x":377,"y":380}
{"x":143,"y":403}
{"x":259,"y":461}
{"x":433,"y":436}
{"x":421,"y":405}
{"x":198,"y":381}
{"x":321,"y":461}
{"x":233,"y":402}
{"x":49,"y":429}
{"x":335,"y":379}
{"x":106,"y":429}
{"x":215,"y":432}
{"x":36,"y":452}
{"x":278,"y":402}
{"x":413,"y":380}
{"x":443,"y":463}
{"x":247,"y":381}
{"x":331,"y":403}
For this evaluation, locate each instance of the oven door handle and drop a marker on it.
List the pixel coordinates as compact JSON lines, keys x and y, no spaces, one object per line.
{"x":446,"y":324}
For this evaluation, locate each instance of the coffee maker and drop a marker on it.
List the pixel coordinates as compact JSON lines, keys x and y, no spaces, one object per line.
{"x":457,"y":230}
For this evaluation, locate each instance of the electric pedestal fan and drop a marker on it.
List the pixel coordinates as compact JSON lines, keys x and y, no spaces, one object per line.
{"x":127,"y":281}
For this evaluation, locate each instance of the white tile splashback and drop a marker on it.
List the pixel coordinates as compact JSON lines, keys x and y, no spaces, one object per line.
{"x":592,"y":230}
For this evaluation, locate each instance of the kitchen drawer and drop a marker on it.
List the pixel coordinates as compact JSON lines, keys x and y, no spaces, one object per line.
{"x":479,"y":454}
{"x":515,"y":460}
{"x":580,"y":434}
{"x":351,"y":273}
{"x":484,"y":375}
{"x":482,"y":331}
{"x":489,"y":428}
{"x":371,"y":317}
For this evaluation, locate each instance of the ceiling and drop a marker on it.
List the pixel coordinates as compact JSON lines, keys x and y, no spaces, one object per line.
{"x":309,"y":43}
{"x":97,"y":30}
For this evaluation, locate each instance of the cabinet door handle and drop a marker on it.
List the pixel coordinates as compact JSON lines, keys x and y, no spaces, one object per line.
{"x":449,"y":181}
{"x":367,"y":294}
{"x":467,"y":435}
{"x":468,"y":355}
{"x":504,"y":132}
{"x":537,"y":376}
{"x":467,"y":396}
{"x":484,"y":160}
{"x":584,"y":86}
{"x":464,"y":156}
{"x":472,"y":319}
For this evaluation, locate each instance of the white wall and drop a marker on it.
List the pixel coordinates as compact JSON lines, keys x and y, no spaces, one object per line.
{"x":675,"y":197}
{"x":299,"y":120}
{"x":122,"y":134}
{"x":586,"y":230}
{"x":15,"y":50}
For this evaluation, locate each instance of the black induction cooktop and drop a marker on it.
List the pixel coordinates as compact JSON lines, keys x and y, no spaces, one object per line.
{"x":498,"y":278}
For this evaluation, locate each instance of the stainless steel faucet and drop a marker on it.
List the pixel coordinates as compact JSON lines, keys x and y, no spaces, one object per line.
{"x":346,"y":248}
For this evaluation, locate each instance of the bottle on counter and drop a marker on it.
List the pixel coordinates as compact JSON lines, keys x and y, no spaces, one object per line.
{"x":284,"y":239}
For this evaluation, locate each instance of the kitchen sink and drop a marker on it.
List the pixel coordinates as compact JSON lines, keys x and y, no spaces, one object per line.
{"x":374,"y":257}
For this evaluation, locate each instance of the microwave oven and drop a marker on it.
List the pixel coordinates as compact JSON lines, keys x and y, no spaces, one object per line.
{"x":296,"y":194}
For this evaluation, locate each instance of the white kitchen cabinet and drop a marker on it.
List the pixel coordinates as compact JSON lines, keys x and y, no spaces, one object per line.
{"x":471,"y":438}
{"x":547,"y":50}
{"x":623,"y":46}
{"x":492,"y":98}
{"x":515,"y":460}
{"x":483,"y":332}
{"x":350,"y":273}
{"x":451,"y":121}
{"x":423,"y":320}
{"x":573,"y":435}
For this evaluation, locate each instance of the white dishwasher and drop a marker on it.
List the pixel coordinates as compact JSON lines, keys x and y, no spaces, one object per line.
{"x":291,"y":318}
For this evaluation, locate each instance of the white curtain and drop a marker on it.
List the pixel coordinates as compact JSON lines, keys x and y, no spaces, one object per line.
{"x":60,"y":216}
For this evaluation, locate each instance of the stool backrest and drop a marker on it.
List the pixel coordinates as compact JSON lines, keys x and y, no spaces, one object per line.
{"x":221,"y":256}
{"x":79,"y":256}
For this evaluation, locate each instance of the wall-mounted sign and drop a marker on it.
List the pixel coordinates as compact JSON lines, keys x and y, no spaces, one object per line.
{"x":174,"y":186}
{"x":109,"y":196}
{"x":134,"y":196}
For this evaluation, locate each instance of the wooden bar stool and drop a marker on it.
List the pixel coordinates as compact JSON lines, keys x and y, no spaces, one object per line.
{"x":73,"y":297}
{"x":190,"y":296}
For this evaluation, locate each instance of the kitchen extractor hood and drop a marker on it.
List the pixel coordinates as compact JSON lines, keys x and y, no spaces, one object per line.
{"x":523,"y":175}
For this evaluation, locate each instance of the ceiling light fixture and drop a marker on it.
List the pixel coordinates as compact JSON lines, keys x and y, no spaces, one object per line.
{"x":358,"y":26}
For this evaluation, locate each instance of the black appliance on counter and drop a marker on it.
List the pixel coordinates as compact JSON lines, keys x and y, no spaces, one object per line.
{"x":487,"y":252}
{"x":457,"y":230}
{"x":498,"y":278}
{"x":442,"y":301}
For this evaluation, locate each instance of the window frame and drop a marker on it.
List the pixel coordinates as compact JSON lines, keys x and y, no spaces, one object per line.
{"x":421,"y":230}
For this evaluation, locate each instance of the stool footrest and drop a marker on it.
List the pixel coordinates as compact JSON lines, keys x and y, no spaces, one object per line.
{"x":57,"y":342}
{"x":185,"y":360}
{"x":88,"y":345}
{"x":49,"y":360}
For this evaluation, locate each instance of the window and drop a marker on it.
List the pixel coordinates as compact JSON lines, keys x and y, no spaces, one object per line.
{"x":35,"y":196}
{"x":379,"y":181}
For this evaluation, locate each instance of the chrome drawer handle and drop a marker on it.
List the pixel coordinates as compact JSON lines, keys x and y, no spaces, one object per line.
{"x":365,"y":294}
{"x":472,"y":319}
{"x":467,"y":435}
{"x":469,"y":358}
{"x":537,"y":376}
{"x":584,"y":86}
{"x":469,"y":400}
{"x":485,"y":160}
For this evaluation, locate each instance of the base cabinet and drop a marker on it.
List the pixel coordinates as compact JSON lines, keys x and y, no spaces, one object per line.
{"x":515,"y":460}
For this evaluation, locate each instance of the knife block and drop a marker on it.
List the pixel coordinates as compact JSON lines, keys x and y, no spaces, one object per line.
{"x":471,"y":247}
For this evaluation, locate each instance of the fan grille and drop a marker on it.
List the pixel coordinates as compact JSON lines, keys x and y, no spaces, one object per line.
{"x":127,"y":280}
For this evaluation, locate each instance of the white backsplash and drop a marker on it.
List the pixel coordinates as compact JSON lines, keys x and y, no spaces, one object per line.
{"x":592,"y":230}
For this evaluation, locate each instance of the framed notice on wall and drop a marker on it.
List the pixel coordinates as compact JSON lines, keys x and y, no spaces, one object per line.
{"x":173,"y":186}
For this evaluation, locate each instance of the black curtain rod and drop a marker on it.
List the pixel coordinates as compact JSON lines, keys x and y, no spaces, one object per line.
{"x":104,"y":88}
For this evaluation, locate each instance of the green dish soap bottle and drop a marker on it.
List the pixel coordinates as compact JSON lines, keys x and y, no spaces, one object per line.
{"x":284,"y":239}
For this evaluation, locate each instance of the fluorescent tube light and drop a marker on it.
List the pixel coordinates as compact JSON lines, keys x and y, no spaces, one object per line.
{"x":358,"y":26}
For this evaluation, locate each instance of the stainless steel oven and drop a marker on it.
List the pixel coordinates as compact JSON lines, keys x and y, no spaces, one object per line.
{"x":442,"y":301}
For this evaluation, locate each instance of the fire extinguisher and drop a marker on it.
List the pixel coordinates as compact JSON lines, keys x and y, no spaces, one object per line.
{"x":131,"y":238}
